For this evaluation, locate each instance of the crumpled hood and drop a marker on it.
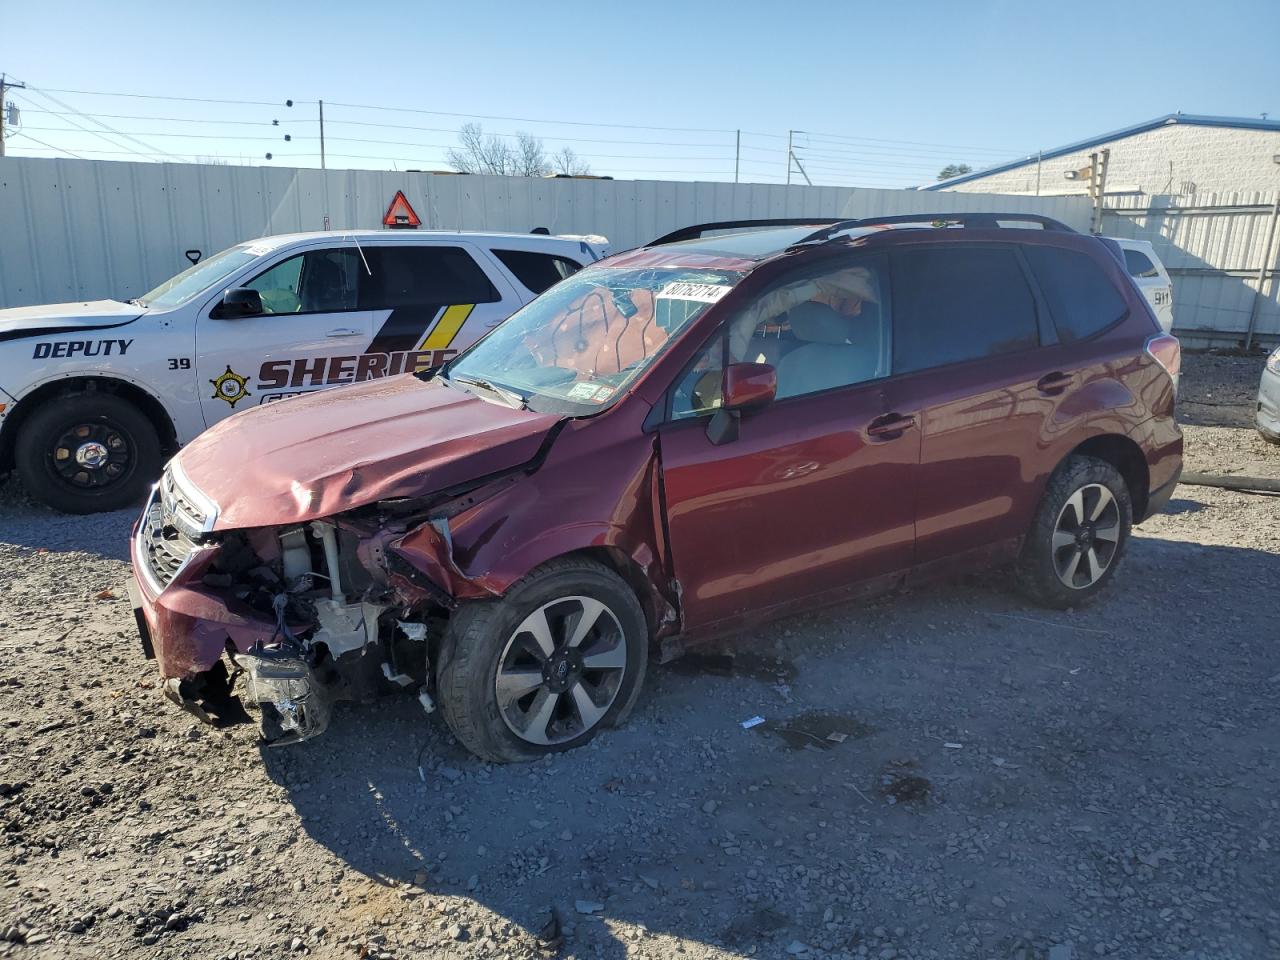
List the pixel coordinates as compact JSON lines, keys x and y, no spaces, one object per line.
{"x":329,"y":451}
{"x":54,"y":318}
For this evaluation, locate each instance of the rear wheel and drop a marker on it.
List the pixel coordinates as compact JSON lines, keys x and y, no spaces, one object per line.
{"x":1078,"y":536}
{"x":546,"y":667}
{"x":87,"y":452}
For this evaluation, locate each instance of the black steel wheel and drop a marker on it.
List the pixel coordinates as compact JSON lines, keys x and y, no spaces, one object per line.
{"x":87,"y":452}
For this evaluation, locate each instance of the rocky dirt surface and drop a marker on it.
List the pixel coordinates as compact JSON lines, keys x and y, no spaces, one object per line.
{"x":947,"y":773}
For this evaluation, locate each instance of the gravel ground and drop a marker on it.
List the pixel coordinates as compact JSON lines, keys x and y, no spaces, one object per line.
{"x":949,"y":773}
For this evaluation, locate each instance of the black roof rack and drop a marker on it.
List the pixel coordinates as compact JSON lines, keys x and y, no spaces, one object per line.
{"x":698,"y":230}
{"x":971,"y":221}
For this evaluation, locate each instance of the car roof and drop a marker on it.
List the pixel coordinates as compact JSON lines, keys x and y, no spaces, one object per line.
{"x":754,"y":245}
{"x":412,"y":236}
{"x":741,"y":246}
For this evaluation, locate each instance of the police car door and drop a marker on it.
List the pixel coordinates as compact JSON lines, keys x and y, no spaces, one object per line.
{"x":311,"y":333}
{"x":429,"y":300}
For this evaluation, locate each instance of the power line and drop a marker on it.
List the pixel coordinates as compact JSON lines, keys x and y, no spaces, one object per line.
{"x":914,"y":143}
{"x":104,"y":126}
{"x":153,"y":96}
{"x":127,"y":116}
{"x":575,"y":123}
{"x":23,"y":133}
{"x":77,"y":126}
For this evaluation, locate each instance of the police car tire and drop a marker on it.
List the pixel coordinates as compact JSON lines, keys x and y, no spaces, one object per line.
{"x":33,"y":452}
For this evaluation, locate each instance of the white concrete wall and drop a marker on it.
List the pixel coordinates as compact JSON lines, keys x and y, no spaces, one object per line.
{"x":90,"y":229}
{"x":1178,"y":160}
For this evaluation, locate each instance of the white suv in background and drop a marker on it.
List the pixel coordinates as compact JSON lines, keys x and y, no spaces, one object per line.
{"x":1151,"y":278}
{"x":94,"y":396}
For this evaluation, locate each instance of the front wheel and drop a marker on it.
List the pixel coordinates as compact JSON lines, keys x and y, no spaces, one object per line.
{"x":87,"y":452}
{"x":1078,"y":536}
{"x":543,"y":669}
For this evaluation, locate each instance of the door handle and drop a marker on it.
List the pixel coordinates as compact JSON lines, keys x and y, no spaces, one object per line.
{"x":1052,"y":384}
{"x":890,"y":426}
{"x":343,"y":332}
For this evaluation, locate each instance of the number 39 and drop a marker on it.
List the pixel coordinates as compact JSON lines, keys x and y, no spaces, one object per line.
{"x":179,"y":363}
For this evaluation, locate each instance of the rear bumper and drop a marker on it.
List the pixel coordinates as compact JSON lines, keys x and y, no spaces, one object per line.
{"x":1268,"y":416}
{"x":1158,"y":498}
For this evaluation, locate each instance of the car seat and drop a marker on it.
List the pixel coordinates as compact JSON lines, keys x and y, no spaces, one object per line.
{"x":826,"y":356}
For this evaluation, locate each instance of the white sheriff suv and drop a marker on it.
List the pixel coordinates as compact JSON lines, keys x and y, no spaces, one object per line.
{"x":94,"y":396}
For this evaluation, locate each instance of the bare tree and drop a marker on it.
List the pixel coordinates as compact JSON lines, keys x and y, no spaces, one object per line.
{"x":530,"y":157}
{"x":569,"y":163}
{"x":478,"y":152}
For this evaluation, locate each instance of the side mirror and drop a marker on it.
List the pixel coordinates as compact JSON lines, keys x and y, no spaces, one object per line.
{"x":744,"y":385}
{"x":240,"y":302}
{"x":748,"y":385}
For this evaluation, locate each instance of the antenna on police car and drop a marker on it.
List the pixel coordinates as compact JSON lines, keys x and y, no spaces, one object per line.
{"x":360,"y":250}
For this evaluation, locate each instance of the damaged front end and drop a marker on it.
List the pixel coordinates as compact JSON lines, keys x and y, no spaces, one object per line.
{"x":288,"y":620}
{"x":295,"y":705}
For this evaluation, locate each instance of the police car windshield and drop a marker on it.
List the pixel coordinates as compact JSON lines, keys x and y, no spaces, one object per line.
{"x":195,"y":280}
{"x":579,"y":345}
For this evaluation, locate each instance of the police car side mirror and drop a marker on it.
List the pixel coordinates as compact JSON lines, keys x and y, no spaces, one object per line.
{"x":239,"y":302}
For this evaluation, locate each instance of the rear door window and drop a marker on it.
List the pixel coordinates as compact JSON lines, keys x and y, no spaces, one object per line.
{"x":422,"y":275}
{"x":537,"y":271}
{"x":958,"y":303}
{"x":1082,"y":300}
{"x":1139,"y":264}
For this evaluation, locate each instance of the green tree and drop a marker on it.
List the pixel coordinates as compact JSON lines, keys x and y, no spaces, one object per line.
{"x":954,"y":170}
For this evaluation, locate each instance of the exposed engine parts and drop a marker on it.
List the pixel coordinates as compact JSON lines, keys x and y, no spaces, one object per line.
{"x":342,"y":632}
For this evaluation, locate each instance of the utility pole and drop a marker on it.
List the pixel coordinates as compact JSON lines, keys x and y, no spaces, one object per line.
{"x":1098,"y":185}
{"x":801,"y":169}
{"x":5,"y":85}
{"x":789,"y":155}
{"x":321,"y":134}
{"x":737,"y":156}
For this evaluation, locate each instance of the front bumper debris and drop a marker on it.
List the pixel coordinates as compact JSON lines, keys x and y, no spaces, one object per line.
{"x":295,"y":705}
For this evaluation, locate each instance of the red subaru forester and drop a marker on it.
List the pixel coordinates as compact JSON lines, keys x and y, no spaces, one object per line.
{"x":726,"y":425}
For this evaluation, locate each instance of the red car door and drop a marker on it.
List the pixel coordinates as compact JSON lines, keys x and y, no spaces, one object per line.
{"x":968,"y":330}
{"x":814,"y":496}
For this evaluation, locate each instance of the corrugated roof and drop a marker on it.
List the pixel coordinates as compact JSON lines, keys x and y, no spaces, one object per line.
{"x":1191,"y":119}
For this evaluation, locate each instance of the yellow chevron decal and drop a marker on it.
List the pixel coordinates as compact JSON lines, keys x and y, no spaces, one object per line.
{"x":447,"y":327}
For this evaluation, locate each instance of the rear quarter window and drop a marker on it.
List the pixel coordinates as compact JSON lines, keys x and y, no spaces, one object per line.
{"x":1139,"y":264}
{"x":1082,"y":300}
{"x":537,"y":271}
{"x":953,"y":304}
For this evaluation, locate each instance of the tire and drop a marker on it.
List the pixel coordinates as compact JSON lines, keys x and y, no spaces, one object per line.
{"x":50,"y":440}
{"x":486,"y":645}
{"x":1045,"y":571}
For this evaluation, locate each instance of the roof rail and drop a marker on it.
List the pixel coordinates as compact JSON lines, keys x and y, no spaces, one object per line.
{"x":699,"y":229}
{"x":971,"y":221}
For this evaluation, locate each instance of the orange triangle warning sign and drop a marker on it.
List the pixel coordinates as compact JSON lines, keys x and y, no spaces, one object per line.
{"x":400,"y":214}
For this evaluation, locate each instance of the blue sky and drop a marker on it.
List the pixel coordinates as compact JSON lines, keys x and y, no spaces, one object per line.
{"x":888,"y":92}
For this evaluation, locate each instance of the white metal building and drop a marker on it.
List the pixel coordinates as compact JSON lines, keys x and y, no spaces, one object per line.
{"x":1178,"y":156}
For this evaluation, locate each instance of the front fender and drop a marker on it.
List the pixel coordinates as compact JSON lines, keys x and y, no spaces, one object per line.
{"x":591,"y":493}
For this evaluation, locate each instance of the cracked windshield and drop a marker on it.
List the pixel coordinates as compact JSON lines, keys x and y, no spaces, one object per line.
{"x":585,"y":340}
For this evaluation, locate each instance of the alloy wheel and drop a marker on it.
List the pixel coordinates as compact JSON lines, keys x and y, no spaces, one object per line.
{"x":1086,"y":536}
{"x":92,"y":455}
{"x":561,"y":670}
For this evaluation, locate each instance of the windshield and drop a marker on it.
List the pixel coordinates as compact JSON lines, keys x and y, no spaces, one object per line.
{"x":195,"y":280}
{"x":576,"y":348}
